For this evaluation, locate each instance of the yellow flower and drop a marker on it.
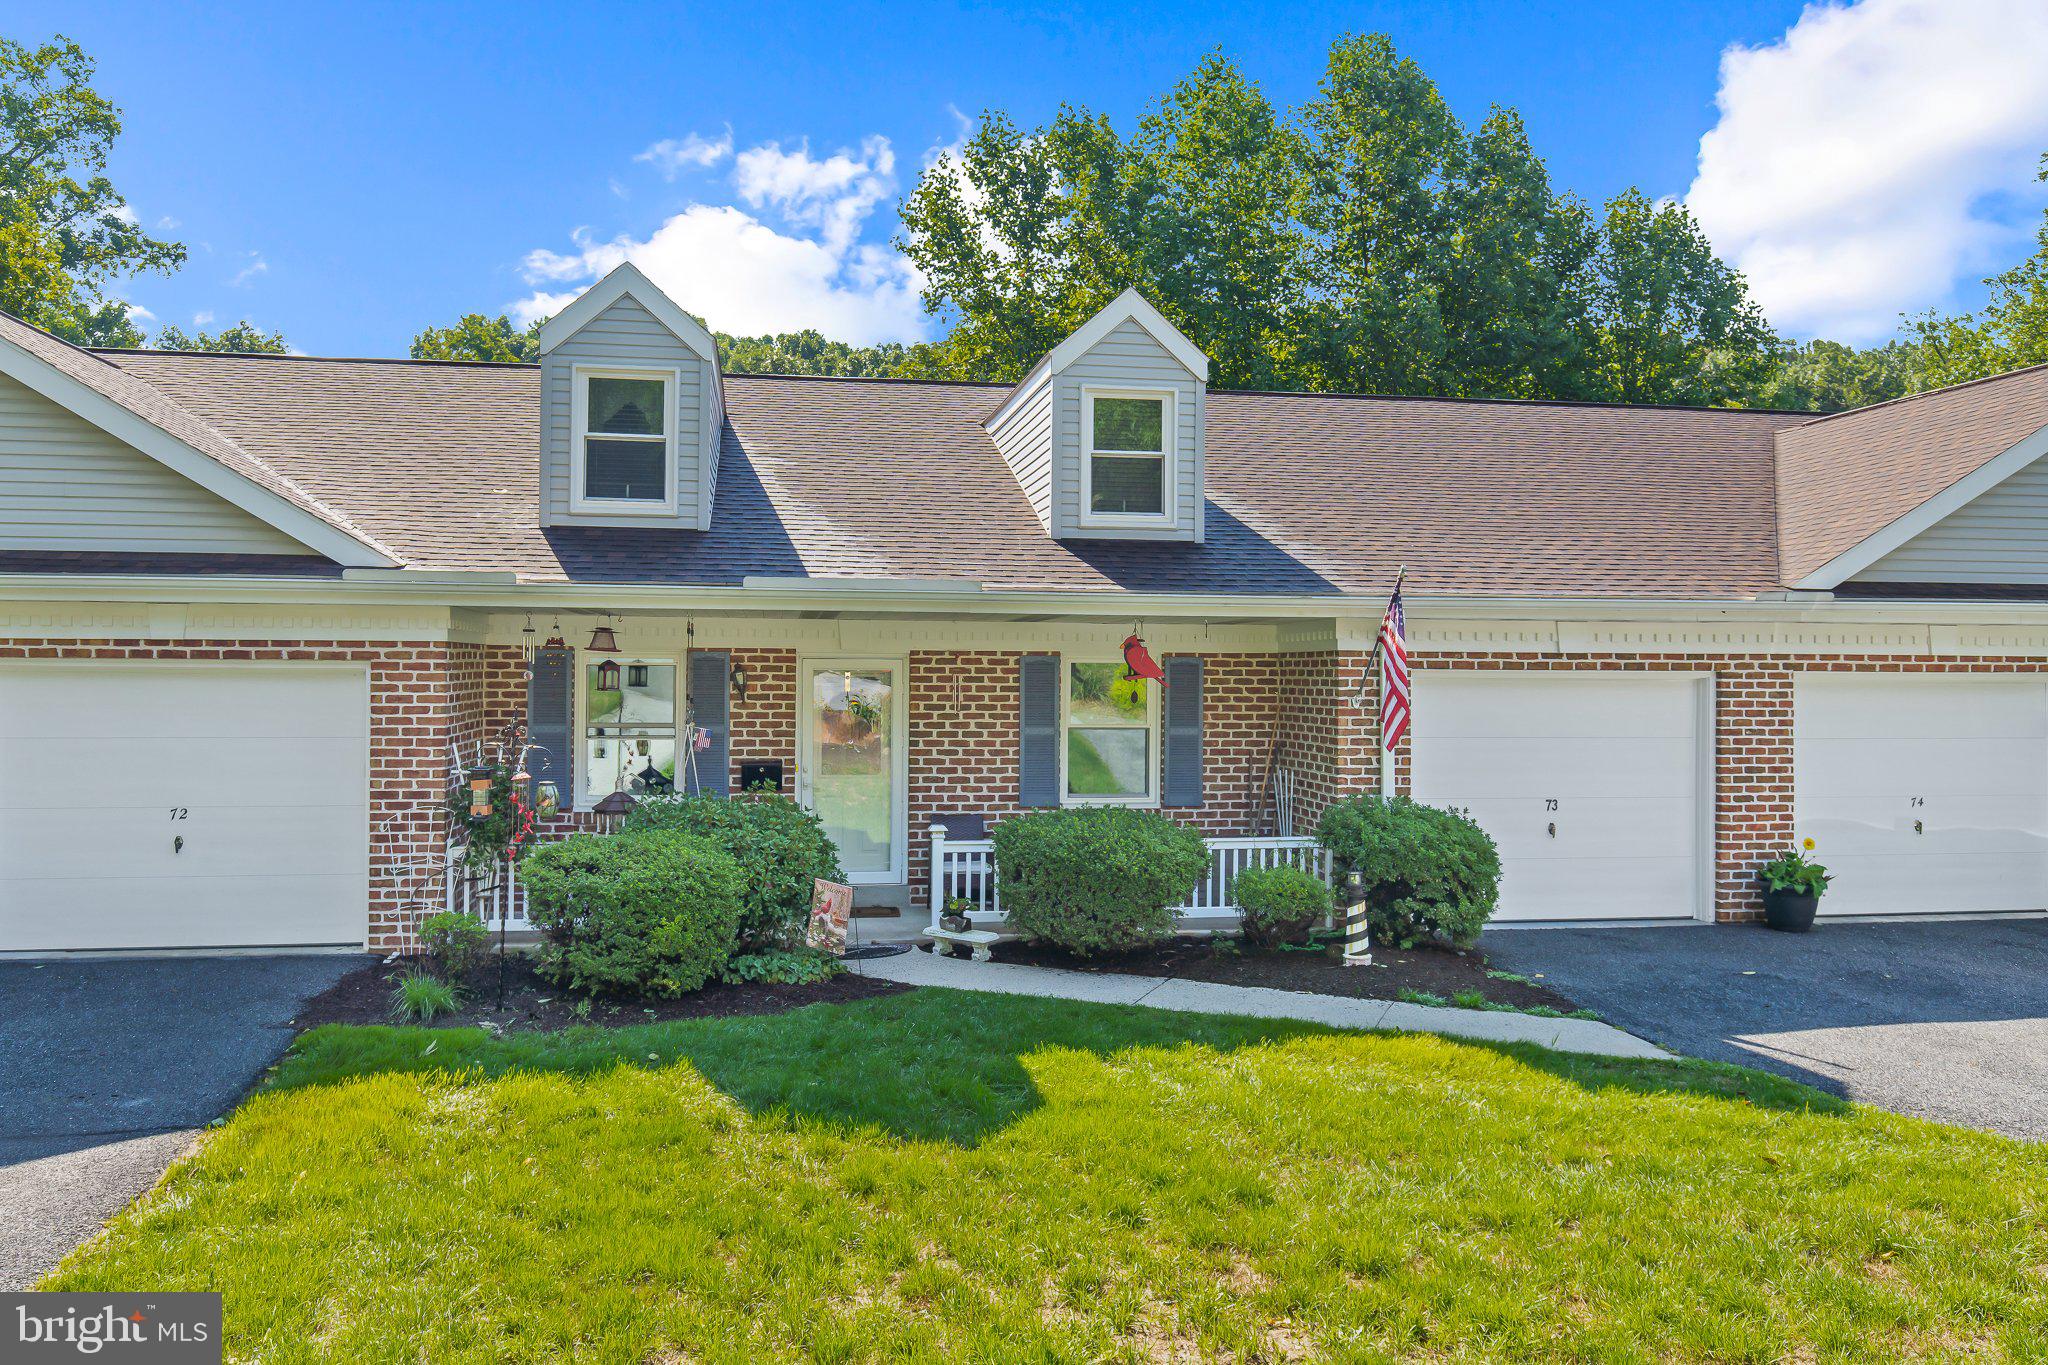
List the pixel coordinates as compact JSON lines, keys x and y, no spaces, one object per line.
{"x":1809,"y":845}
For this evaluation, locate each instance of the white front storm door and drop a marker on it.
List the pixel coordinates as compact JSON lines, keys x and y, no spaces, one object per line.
{"x":854,"y":767}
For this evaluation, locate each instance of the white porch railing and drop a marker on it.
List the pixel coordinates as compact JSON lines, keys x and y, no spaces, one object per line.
{"x":487,"y":898}
{"x":966,"y":869}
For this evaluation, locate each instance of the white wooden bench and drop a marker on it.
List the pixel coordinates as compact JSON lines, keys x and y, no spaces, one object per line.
{"x":946,"y":942}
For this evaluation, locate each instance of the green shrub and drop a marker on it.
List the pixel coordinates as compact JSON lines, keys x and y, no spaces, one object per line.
{"x":459,"y":942}
{"x":781,"y":849}
{"x":1096,"y":879}
{"x":420,"y":996}
{"x":782,"y":967}
{"x":1429,"y":873}
{"x":650,"y":912}
{"x":1280,"y":904}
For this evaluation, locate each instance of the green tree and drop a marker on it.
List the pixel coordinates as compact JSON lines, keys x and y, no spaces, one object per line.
{"x":65,"y":233}
{"x":1444,"y":262}
{"x":807,"y":352}
{"x":1826,"y":376}
{"x":1368,"y":242}
{"x":2011,"y":331}
{"x":1667,"y":320}
{"x":476,"y":337}
{"x":244,"y":338}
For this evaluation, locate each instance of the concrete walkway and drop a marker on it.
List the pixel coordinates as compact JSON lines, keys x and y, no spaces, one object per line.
{"x":1259,"y":1002}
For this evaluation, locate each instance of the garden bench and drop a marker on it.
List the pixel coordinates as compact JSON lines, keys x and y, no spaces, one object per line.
{"x":945,"y":942}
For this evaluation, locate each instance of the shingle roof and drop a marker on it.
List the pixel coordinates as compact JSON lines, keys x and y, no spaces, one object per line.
{"x":818,"y":477}
{"x":1843,"y":478}
{"x":119,"y":384}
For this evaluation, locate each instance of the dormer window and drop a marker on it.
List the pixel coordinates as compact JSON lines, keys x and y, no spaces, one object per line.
{"x":622,"y":450}
{"x":1127,"y":461}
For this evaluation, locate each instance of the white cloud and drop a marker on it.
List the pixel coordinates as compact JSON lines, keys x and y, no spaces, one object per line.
{"x":1875,"y":157}
{"x":202,"y":318}
{"x":138,"y":312}
{"x":793,"y":257}
{"x":248,"y":273}
{"x":671,"y":156}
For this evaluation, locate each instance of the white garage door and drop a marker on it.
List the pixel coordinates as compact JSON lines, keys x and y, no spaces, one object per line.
{"x":1589,"y":784}
{"x":164,"y":806}
{"x":1927,"y":795}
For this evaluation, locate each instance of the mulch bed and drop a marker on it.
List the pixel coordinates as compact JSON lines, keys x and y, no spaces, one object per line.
{"x":1434,"y":971}
{"x":364,"y":997}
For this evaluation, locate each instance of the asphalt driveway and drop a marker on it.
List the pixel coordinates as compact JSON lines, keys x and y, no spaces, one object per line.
{"x":1944,"y":1019}
{"x":109,"y":1068}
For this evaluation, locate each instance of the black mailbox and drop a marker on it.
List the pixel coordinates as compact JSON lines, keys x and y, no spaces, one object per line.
{"x":765,"y":774}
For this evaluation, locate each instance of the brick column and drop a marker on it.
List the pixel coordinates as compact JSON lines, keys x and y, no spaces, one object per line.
{"x":1753,"y":780}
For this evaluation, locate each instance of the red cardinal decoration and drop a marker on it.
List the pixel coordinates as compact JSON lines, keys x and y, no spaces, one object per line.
{"x":1138,"y":663}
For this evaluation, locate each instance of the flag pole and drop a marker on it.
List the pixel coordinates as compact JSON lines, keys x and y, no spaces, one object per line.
{"x":1379,"y":656}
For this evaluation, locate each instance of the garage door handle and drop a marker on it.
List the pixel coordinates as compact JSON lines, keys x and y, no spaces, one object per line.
{"x":1553,"y":829}
{"x":178,"y":843}
{"x":1917,"y":829}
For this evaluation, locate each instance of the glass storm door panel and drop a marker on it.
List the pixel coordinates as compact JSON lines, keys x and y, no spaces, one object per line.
{"x":854,"y":766}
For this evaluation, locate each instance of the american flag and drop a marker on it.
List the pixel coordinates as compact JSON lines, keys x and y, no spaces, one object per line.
{"x":1393,"y":652}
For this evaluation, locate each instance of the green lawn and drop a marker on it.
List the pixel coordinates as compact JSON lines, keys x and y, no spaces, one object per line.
{"x":950,"y":1176}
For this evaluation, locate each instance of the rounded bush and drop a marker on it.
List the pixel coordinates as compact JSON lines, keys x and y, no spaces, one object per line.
{"x":459,"y":942}
{"x":651,"y":912}
{"x":782,"y":849}
{"x":1096,"y":879}
{"x":1280,"y":904}
{"x":1429,"y":873}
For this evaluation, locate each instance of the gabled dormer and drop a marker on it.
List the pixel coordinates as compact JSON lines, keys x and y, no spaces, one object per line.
{"x":1105,"y":434}
{"x":631,"y":410}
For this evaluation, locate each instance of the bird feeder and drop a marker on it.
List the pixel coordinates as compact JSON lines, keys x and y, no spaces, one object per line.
{"x":547,"y":799}
{"x":480,"y":794}
{"x":604,"y":640}
{"x":608,"y":676}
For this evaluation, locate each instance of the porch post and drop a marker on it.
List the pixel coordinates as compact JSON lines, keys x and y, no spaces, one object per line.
{"x":938,"y":875}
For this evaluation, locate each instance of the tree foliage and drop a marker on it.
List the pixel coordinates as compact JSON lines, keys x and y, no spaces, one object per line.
{"x":65,"y":232}
{"x":476,"y":337}
{"x":2011,"y":331}
{"x":244,"y":338}
{"x":1366,"y":242}
{"x":1826,"y":376}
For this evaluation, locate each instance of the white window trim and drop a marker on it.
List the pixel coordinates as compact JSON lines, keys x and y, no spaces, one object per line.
{"x":587,"y":794}
{"x":1169,"y":440}
{"x":1155,"y":755}
{"x":579,"y":429}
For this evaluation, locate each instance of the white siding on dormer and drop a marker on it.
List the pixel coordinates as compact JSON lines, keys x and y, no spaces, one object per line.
{"x":626,"y":334}
{"x":1023,"y":433}
{"x":1128,"y":358}
{"x":67,"y":485}
{"x":2001,"y":537}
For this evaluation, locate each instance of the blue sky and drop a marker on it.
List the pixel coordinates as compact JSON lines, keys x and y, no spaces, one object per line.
{"x":350,"y":174}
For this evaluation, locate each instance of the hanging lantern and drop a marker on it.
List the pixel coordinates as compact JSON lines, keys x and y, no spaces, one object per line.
{"x":604,"y":640}
{"x":547,"y":799}
{"x":608,"y":676}
{"x":480,"y":794}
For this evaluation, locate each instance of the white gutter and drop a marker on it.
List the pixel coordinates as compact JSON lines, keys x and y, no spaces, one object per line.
{"x":487,"y":591}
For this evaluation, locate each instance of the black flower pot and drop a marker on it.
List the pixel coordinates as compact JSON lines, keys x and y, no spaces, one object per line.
{"x":1790,"y":911}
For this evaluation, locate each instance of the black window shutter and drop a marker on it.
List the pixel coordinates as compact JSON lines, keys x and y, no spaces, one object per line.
{"x":551,"y":722}
{"x":711,"y":706}
{"x":1182,"y":785}
{"x":1038,"y":750}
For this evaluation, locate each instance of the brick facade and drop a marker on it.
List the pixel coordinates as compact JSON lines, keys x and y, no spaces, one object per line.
{"x":412,"y":710}
{"x":963,"y":712}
